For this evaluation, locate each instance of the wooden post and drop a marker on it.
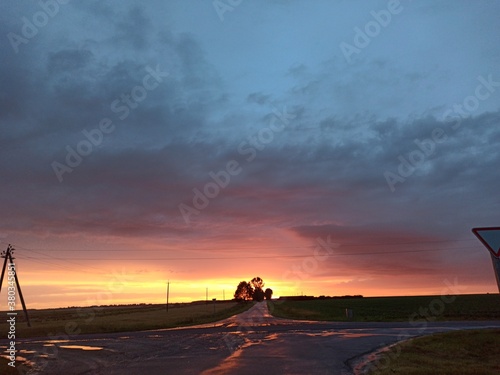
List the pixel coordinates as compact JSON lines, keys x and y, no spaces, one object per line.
{"x":20,"y":293}
{"x":8,"y":255}
{"x":168,"y":290}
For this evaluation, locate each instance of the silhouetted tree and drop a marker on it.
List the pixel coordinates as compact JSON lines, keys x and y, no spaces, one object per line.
{"x":258,"y":295}
{"x":243,"y":292}
{"x":254,"y":289}
{"x":258,"y":288}
{"x":257,"y":283}
{"x":268,"y":293}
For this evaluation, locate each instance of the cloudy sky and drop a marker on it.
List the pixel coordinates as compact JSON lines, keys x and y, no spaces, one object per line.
{"x":330,"y":147}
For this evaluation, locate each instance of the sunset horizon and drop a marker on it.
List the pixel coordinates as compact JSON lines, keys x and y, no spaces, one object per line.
{"x":343,"y":154}
{"x":141,"y":277}
{"x":334,"y":149}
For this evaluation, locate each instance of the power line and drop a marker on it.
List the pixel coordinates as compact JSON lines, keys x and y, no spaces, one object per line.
{"x":253,"y":248}
{"x":48,"y":263}
{"x":268,"y":256}
{"x":56,"y":258}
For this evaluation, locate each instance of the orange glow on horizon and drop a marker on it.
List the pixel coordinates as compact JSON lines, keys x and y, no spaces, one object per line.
{"x":289,"y":264}
{"x":124,"y":288}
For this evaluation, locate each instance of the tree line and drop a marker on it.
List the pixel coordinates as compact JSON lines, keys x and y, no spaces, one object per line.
{"x":252,"y":290}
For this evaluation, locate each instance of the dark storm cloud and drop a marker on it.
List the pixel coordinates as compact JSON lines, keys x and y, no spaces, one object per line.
{"x":327,"y":165}
{"x":134,"y":29}
{"x":258,"y":97}
{"x":330,"y":180}
{"x":70,"y":61}
{"x":53,"y":94}
{"x":215,"y":99}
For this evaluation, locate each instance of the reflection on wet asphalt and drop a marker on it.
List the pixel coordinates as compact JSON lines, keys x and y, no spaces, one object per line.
{"x":253,"y":342}
{"x":81,"y":347}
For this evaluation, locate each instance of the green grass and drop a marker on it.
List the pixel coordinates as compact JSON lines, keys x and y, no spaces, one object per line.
{"x":452,"y":353}
{"x":390,"y":309}
{"x":45,"y":323}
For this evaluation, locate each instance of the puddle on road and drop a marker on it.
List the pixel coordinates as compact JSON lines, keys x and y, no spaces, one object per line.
{"x":82,"y":347}
{"x":272,"y":336}
{"x":363,"y":363}
{"x":79,"y":347}
{"x":341,"y":334}
{"x":51,"y":342}
{"x":323,"y":334}
{"x":230,"y":363}
{"x":357,"y":335}
{"x":19,"y":359}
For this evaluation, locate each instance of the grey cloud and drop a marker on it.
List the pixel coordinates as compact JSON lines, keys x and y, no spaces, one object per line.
{"x":326,"y":166}
{"x":259,"y":98}
{"x":70,"y":61}
{"x":134,"y":29}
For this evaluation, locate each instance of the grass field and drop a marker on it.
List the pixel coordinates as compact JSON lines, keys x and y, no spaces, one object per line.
{"x":378,"y":309}
{"x":119,"y":318}
{"x":462,"y":352}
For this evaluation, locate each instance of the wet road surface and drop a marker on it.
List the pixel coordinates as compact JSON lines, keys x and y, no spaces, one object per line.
{"x":253,"y":342}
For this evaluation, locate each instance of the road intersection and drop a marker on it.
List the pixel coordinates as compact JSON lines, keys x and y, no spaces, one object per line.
{"x":253,"y":342}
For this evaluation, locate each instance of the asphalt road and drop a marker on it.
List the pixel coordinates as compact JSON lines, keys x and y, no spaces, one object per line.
{"x":250,"y":343}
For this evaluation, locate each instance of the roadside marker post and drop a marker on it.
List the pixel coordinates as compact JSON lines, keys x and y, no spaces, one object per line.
{"x":214,"y":299}
{"x":168,"y":291}
{"x":490,"y":238}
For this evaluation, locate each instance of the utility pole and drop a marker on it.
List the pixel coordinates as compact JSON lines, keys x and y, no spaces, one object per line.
{"x":168,"y":290}
{"x":7,"y":255}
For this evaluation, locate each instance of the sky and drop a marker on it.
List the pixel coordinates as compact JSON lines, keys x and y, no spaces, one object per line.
{"x":329,"y":147}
